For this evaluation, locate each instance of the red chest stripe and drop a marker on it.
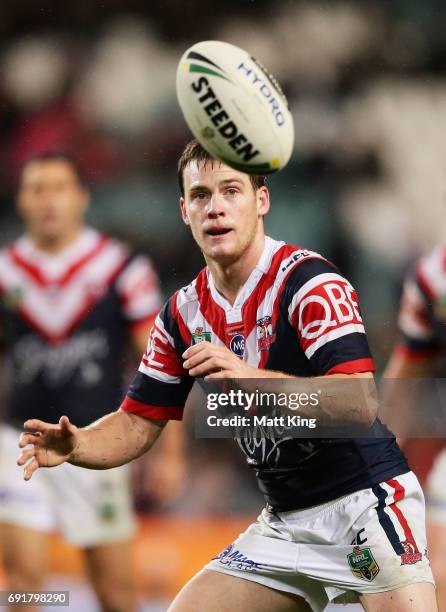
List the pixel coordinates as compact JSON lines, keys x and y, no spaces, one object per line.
{"x":39,"y":277}
{"x":214,"y":314}
{"x":184,"y":331}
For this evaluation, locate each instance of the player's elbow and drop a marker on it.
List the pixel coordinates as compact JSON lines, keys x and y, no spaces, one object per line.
{"x":363,"y":403}
{"x":370,"y":412}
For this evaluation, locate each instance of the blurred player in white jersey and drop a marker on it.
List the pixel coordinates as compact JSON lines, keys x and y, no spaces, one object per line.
{"x":71,"y":299}
{"x":344,"y":517}
{"x":420,"y":353}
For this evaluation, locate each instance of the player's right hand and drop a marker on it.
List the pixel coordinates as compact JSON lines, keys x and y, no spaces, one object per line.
{"x":51,"y":444}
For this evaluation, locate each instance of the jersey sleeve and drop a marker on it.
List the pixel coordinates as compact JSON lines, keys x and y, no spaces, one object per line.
{"x":139,"y":291}
{"x":3,"y":316}
{"x":418,"y":337}
{"x":324,"y":313}
{"x":161,"y":385}
{"x":2,"y":324}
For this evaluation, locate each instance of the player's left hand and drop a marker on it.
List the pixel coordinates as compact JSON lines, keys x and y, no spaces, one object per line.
{"x":216,"y":362}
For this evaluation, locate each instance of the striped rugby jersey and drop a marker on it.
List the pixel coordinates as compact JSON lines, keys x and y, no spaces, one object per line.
{"x":422,"y":318}
{"x":64,"y":321}
{"x":296,"y":314}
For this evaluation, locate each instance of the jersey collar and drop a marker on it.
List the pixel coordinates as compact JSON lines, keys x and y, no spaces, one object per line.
{"x":55,"y":265}
{"x":234,"y":311}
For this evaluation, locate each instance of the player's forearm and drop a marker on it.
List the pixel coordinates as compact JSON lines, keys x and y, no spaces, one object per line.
{"x":401,"y":366}
{"x":114,"y":440}
{"x":332,"y":400}
{"x":402,"y":396}
{"x":347,"y":399}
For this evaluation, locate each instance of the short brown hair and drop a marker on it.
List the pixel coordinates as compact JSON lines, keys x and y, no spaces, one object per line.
{"x":193,"y":151}
{"x":56,"y":155}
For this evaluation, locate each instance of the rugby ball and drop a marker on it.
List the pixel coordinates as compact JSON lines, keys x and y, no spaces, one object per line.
{"x":234,"y":107}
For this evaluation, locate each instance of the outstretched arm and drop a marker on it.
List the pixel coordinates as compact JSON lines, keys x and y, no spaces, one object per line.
{"x":113,"y":440}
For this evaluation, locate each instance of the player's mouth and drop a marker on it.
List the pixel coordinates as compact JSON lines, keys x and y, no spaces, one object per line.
{"x":218,"y":232}
{"x":47,"y":216}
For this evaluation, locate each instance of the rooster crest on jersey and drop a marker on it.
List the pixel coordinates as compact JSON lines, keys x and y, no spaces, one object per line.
{"x":265,"y":336}
{"x":411,"y":553}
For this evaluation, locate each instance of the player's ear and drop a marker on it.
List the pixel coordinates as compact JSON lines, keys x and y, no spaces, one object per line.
{"x":85,"y":199}
{"x":263,"y":201}
{"x":19,"y":205}
{"x":82,"y":203}
{"x":184,"y":211}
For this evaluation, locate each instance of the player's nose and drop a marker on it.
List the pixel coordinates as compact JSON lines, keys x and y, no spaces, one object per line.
{"x":215,"y":207}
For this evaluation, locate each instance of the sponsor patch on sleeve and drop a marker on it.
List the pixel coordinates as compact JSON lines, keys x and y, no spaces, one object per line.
{"x":325,"y":308}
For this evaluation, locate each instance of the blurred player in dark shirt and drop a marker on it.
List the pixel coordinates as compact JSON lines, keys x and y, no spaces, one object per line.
{"x":420,"y":353}
{"x":71,"y":299}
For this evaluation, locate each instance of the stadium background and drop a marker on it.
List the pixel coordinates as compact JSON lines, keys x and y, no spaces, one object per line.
{"x":367,"y":88}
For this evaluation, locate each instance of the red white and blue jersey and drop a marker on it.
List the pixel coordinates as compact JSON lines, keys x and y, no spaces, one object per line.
{"x":65,"y":321}
{"x":422,"y":318}
{"x":295,"y":314}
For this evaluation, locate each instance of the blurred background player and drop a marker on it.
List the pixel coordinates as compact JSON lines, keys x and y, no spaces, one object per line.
{"x":420,"y":354}
{"x":71,"y":297}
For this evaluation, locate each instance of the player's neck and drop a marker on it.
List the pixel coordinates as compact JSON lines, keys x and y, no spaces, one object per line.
{"x":230,"y":278}
{"x":52,"y":245}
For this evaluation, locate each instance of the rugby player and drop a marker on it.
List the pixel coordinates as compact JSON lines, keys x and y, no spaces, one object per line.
{"x":418,"y":354}
{"x":344,"y":518}
{"x":70,"y":299}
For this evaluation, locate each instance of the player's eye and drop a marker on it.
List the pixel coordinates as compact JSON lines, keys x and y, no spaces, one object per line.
{"x":199,"y":196}
{"x":231,"y":191}
{"x":59,"y":187}
{"x":34,"y":189}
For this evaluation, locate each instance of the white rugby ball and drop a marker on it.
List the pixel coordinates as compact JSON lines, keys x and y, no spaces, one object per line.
{"x":234,"y":108}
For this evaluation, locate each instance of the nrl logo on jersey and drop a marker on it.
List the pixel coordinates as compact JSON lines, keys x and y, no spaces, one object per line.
{"x":13,"y":298}
{"x":440,"y":308}
{"x":265,"y":335}
{"x":363,"y":564}
{"x":200,"y":335}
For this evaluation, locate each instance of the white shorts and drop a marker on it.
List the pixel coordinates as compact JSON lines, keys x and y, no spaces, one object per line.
{"x":88,"y":507}
{"x":367,"y":542}
{"x":436,"y":490}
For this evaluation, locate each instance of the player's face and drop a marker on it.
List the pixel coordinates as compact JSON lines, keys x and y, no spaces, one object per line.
{"x":223,"y":210}
{"x":51,"y":200}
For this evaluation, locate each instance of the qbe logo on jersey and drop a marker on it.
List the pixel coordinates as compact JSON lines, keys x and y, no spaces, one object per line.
{"x":326,"y":311}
